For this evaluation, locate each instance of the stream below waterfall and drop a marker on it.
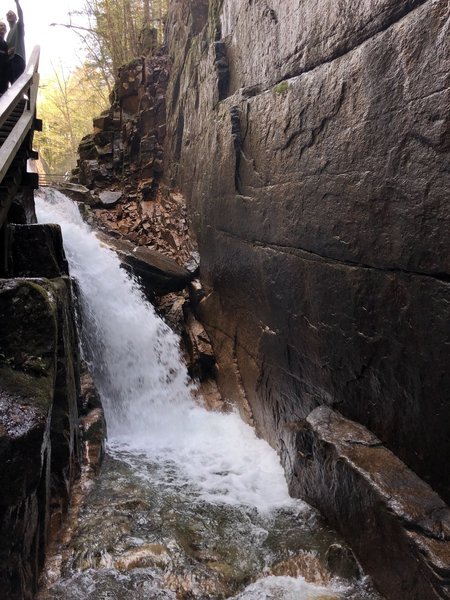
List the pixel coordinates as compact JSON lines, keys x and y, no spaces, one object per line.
{"x":189,"y":504}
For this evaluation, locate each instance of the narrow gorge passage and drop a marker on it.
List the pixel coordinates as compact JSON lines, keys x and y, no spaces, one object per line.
{"x":189,"y":503}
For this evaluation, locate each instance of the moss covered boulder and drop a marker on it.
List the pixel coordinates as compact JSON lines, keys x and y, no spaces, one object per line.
{"x":38,"y":421}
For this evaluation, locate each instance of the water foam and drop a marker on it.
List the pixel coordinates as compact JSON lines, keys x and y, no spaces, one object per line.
{"x":144,"y":386}
{"x":285,"y":588}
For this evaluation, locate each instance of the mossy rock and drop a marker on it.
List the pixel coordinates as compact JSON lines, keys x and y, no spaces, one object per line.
{"x":28,"y":340}
{"x":281,"y":88}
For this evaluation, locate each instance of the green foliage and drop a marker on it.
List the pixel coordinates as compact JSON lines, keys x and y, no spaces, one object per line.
{"x":281,"y":88}
{"x":117,"y":31}
{"x":112,"y":32}
{"x":67,"y":104}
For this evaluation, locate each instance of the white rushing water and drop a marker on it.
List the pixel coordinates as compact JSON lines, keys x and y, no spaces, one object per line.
{"x":153,"y":420}
{"x":144,"y":385}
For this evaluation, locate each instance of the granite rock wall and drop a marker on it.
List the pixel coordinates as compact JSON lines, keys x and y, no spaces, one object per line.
{"x":316,"y":171}
{"x":311,"y":140}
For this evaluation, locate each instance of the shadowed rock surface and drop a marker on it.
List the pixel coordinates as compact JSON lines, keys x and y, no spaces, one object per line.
{"x":38,"y":423}
{"x":315,"y":169}
{"x":389,"y":504}
{"x":158,"y":273}
{"x":40,"y":403}
{"x":320,"y":209}
{"x":36,"y":251}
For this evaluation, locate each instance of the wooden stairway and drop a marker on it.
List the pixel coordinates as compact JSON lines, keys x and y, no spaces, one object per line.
{"x":17,"y":125}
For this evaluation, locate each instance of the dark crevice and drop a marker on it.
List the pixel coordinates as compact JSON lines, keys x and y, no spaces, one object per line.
{"x":443,"y":277}
{"x":426,"y":532}
{"x":222,"y":69}
{"x":236,"y":135}
{"x":346,"y":48}
{"x":179,"y":131}
{"x":365,"y":444}
{"x":294,"y":250}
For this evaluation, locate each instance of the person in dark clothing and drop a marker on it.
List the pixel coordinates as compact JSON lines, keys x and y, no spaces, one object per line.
{"x":16,"y":42}
{"x":4,"y":60}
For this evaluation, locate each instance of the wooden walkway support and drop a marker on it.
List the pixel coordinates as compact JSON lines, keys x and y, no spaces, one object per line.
{"x":17,"y":125}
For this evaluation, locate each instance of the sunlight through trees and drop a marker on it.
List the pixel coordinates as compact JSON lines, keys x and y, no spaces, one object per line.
{"x":112,"y":33}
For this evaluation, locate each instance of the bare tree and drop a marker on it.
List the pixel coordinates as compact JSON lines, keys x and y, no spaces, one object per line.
{"x":113,"y":32}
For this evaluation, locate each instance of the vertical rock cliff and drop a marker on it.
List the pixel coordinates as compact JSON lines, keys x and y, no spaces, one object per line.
{"x":312,"y":140}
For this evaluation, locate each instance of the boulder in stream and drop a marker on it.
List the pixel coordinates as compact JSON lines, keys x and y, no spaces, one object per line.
{"x":158,"y":273}
{"x":39,"y":445}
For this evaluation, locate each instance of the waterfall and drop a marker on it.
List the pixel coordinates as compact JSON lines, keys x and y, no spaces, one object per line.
{"x":133,"y":355}
{"x":143,"y":383}
{"x":203,"y":477}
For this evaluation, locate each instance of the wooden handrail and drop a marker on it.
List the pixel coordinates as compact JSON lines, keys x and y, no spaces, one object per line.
{"x":15,"y":93}
{"x":28,"y":84}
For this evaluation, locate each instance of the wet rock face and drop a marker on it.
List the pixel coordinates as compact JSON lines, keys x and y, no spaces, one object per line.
{"x":340,"y":466}
{"x":317,"y":182}
{"x":316,"y":172}
{"x":39,"y":446}
{"x":157,"y":273}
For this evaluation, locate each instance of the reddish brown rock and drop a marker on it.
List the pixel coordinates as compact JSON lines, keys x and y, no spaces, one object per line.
{"x":131,"y":135}
{"x":93,"y":428}
{"x":198,"y":345}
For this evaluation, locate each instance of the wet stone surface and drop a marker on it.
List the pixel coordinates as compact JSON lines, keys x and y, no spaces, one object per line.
{"x":145,"y":532}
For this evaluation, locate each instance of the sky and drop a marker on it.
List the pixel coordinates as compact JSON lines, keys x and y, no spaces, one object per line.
{"x":59,"y":45}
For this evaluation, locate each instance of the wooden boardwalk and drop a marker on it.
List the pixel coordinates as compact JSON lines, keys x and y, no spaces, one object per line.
{"x":17,"y":125}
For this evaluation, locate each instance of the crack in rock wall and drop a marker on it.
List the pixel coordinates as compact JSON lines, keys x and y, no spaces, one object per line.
{"x":318,"y":189}
{"x":312,"y":143}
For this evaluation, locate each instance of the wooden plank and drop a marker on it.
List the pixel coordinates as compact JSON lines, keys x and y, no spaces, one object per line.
{"x":11,"y":146}
{"x":15,"y":93}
